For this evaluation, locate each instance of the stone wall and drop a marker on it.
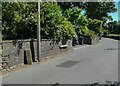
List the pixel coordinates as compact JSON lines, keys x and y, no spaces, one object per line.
{"x":91,"y":41}
{"x":13,"y":50}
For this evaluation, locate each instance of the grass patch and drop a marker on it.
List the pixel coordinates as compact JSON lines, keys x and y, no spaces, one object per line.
{"x":113,"y":35}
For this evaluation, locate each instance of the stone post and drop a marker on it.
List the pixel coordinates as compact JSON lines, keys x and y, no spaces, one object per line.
{"x":27,"y":57}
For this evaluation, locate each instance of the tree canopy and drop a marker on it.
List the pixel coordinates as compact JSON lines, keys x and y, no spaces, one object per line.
{"x":83,"y":26}
{"x":53,"y":23}
{"x":94,"y":10}
{"x":99,"y":10}
{"x":20,"y":21}
{"x":67,"y":5}
{"x":59,"y":20}
{"x":73,"y":14}
{"x":114,"y":27}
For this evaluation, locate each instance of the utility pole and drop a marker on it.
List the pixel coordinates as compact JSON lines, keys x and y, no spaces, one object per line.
{"x":38,"y":35}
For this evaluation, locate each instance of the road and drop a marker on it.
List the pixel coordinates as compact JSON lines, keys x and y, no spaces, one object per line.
{"x":83,"y":65}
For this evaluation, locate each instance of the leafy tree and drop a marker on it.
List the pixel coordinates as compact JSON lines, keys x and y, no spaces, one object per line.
{"x":0,"y":21}
{"x":80,"y":22}
{"x":99,"y":10}
{"x":19,"y":20}
{"x":67,"y":5}
{"x":94,"y":10}
{"x":0,"y":10}
{"x":75,"y":17}
{"x":73,"y":14}
{"x":67,"y":29}
{"x":95,"y":25}
{"x":51,"y":18}
{"x":53,"y":23}
{"x":114,"y":27}
{"x":105,"y":30}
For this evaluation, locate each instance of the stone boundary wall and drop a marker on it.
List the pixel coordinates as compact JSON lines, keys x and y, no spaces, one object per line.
{"x":91,"y":41}
{"x":13,"y":50}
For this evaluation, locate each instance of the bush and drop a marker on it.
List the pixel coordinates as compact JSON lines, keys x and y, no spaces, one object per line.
{"x":95,"y":25}
{"x":66,"y":31}
{"x":19,"y":20}
{"x":83,"y":29}
{"x":105,"y":32}
{"x":54,"y":24}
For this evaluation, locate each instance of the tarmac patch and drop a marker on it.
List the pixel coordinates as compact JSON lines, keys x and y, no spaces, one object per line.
{"x":68,"y":64}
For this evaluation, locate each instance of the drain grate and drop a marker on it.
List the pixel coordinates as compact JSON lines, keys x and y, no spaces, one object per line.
{"x":68,"y":64}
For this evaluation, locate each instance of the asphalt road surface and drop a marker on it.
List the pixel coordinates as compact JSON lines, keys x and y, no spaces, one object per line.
{"x":83,"y":65}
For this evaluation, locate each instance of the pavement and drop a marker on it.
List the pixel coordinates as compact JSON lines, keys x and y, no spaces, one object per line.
{"x":83,"y":65}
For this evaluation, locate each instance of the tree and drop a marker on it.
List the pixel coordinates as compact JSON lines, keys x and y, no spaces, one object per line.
{"x":80,"y":21}
{"x":19,"y":20}
{"x":67,"y":5}
{"x":73,"y":14}
{"x":66,"y":30}
{"x":0,"y":10}
{"x":105,"y":30}
{"x":114,"y":27}
{"x":51,"y":17}
{"x":0,"y":21}
{"x":95,"y":25}
{"x":53,"y":23}
{"x":99,"y":10}
{"x":94,"y":10}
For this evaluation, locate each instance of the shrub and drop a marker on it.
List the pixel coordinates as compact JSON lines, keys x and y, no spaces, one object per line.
{"x":19,"y":20}
{"x":54,"y":24}
{"x":66,"y":30}
{"x":95,"y":25}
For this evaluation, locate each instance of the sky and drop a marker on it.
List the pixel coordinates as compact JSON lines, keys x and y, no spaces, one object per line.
{"x":114,"y":15}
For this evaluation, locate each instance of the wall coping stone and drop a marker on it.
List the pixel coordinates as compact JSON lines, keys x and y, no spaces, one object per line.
{"x":28,"y":40}
{"x":10,"y":41}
